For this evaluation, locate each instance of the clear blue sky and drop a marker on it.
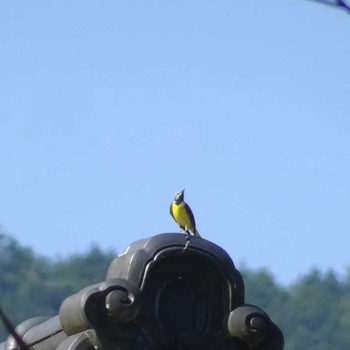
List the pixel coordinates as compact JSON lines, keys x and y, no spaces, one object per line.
{"x":108,"y":108}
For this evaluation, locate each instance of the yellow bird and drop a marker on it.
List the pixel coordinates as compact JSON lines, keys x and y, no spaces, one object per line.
{"x":182,"y":214}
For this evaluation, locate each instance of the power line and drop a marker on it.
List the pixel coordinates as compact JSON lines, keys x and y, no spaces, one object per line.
{"x":337,"y":3}
{"x":11,"y":329}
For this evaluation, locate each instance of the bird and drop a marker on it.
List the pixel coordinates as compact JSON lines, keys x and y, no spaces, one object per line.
{"x":182,"y":214}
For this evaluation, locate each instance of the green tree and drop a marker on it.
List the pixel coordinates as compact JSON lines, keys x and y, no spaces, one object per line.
{"x":32,"y":285}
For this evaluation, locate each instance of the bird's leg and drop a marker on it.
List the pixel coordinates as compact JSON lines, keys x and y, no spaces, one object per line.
{"x":188,"y":237}
{"x":187,"y":240}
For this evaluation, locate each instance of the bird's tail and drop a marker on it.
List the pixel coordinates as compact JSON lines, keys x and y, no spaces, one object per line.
{"x":196,"y":233}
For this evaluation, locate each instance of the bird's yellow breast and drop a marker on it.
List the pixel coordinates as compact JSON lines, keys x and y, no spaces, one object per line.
{"x":181,"y":216}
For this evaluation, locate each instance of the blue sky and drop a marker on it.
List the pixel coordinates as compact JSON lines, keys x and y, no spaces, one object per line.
{"x":108,"y":108}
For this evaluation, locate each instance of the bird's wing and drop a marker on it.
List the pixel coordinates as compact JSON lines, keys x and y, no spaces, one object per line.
{"x":191,"y":216}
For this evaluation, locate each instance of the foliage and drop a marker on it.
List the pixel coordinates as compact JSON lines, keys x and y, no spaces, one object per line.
{"x":32,"y":285}
{"x":313,"y":313}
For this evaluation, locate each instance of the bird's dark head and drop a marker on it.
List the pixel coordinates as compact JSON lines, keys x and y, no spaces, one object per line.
{"x":179,"y":196}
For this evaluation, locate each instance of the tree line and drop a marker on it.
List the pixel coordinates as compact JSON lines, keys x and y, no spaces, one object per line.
{"x":313,"y":313}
